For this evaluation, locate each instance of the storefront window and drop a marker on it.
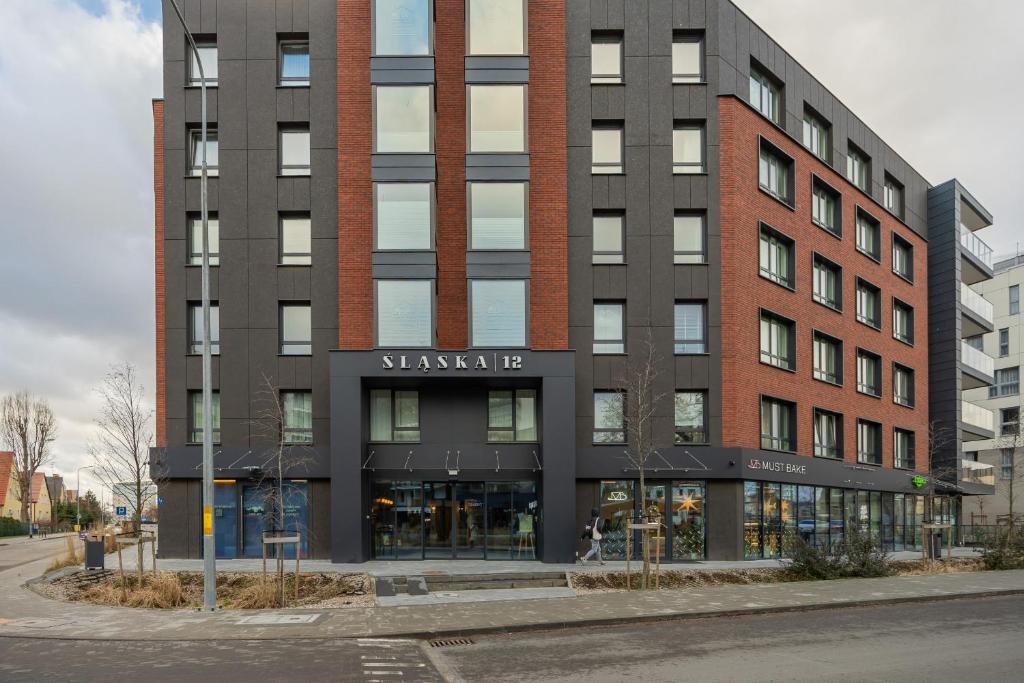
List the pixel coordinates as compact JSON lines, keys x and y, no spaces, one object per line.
{"x":225,"y":514}
{"x":771,"y":499}
{"x":900,"y":521}
{"x":688,"y":521}
{"x":751,"y":520}
{"x":616,"y":510}
{"x":835,"y":516}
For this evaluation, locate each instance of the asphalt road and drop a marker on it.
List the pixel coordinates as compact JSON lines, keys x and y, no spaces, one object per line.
{"x":962,"y":640}
{"x":20,"y":550}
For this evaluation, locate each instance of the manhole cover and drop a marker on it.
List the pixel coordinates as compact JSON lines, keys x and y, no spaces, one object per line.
{"x":278,"y":619}
{"x":450,"y":642}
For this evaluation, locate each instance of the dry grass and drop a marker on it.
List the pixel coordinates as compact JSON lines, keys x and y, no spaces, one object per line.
{"x":69,"y":558}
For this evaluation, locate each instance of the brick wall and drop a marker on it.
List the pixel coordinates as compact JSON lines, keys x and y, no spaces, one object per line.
{"x":744,"y":292}
{"x":158,"y":223}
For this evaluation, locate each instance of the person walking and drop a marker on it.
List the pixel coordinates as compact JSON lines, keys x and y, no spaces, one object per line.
{"x":593,"y":530}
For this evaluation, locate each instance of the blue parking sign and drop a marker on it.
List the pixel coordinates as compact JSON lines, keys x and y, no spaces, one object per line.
{"x":122,"y":510}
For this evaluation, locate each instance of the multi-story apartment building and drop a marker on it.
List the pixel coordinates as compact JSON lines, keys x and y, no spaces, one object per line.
{"x":447,"y":229}
{"x":1003,"y":453}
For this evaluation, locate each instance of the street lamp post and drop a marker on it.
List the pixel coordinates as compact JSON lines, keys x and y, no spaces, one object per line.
{"x":78,"y":495}
{"x":209,"y":547}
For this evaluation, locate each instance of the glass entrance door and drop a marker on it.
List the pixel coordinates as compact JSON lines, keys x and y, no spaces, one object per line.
{"x":469,"y":529}
{"x":437,"y":511}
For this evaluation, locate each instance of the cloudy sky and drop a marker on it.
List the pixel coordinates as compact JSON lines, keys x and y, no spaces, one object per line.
{"x":77,"y":78}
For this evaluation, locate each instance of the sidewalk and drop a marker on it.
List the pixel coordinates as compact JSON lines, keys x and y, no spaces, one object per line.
{"x":24,"y":613}
{"x":17,"y":540}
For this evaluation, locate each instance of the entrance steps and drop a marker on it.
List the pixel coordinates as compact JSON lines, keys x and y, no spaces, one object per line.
{"x":441,"y":582}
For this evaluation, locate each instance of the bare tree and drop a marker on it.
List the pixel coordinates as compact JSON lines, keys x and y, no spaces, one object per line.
{"x":1012,"y":440}
{"x":939,"y":469}
{"x":27,"y":427}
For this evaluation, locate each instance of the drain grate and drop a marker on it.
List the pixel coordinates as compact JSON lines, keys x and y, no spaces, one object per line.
{"x":450,"y":642}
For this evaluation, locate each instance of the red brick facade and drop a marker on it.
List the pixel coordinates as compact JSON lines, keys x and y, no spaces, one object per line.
{"x":744,"y":292}
{"x":158,"y":223}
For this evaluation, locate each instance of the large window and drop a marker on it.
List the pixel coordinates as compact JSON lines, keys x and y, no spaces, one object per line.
{"x":608,"y":238}
{"x":690,"y":331}
{"x":1014,"y":293}
{"x":827,"y":282}
{"x":817,"y":135}
{"x":609,"y":328}
{"x":498,"y":313}
{"x":293,"y":63}
{"x":688,"y":149}
{"x":496,"y":27}
{"x":690,"y":419}
{"x":828,"y":358}
{"x":902,"y":321}
{"x":195,"y":240}
{"x":1009,"y":421}
{"x":296,"y":329}
{"x":609,"y":417}
{"x":825,"y":207}
{"x":297,"y":414}
{"x":606,"y":58}
{"x":403,"y":119}
{"x":401,"y":28}
{"x":1006,"y":463}
{"x":776,"y":257}
{"x":195,"y":152}
{"x":687,"y":59}
{"x":404,"y":215}
{"x":902,"y":258}
{"x":405,"y":313}
{"x":195,"y":328}
{"x":869,"y":235}
{"x":296,"y":240}
{"x":778,"y":424}
{"x":207,"y":48}
{"x":688,"y":238}
{"x":1004,"y":342}
{"x":497,"y":118}
{"x":903,"y":448}
{"x":869,"y":304}
{"x":902,"y":385}
{"x":497,"y":215}
{"x":512,"y":415}
{"x":869,"y":442}
{"x":1007,"y":382}
{"x":606,"y":149}
{"x":892,"y":195}
{"x":828,"y":434}
{"x":765,"y":95}
{"x":858,"y":167}
{"x":775,"y":173}
{"x":777,"y":341}
{"x":195,"y":416}
{"x":869,"y":373}
{"x":394,"y":415}
{"x":294,"y":152}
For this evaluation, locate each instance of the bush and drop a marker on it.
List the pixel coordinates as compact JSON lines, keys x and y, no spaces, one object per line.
{"x":12,"y":527}
{"x":1003,"y":549}
{"x":858,"y":555}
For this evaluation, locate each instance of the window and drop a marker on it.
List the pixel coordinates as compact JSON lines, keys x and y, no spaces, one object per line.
{"x":497,"y":118}
{"x":828,"y":282}
{"x":497,"y":215}
{"x":401,"y":28}
{"x":195,"y":240}
{"x":689,"y":328}
{"x":869,"y":373}
{"x":778,"y":424}
{"x":892,"y":196}
{"x":687,"y":59}
{"x":902,"y":258}
{"x":296,"y":240}
{"x":1006,"y":383}
{"x":207,"y":48}
{"x":609,"y":417}
{"x":606,"y":148}
{"x":773,"y":174}
{"x":828,"y":358}
{"x":902,"y":321}
{"x":777,"y":257}
{"x":296,"y":330}
{"x":1006,"y":463}
{"x":975,"y":342}
{"x":1004,"y":342}
{"x":195,"y":154}
{"x":297,"y":417}
{"x":405,"y":313}
{"x":512,"y":415}
{"x":688,"y":238}
{"x":828,"y":434}
{"x":498,"y":313}
{"x":295,"y":151}
{"x":857,"y":167}
{"x":903,"y":448}
{"x":609,"y":328}
{"x":608,"y":238}
{"x":902,"y":385}
{"x":817,"y":135}
{"x":394,"y":415}
{"x":403,"y":119}
{"x":869,"y":442}
{"x":690,"y":421}
{"x":404,"y":216}
{"x":496,"y":27}
{"x":777,"y":341}
{"x":869,"y":235}
{"x":606,"y":58}
{"x":1009,"y":421}
{"x":825,"y":207}
{"x":765,"y":95}
{"x":1014,"y":299}
{"x":869,"y":304}
{"x":688,"y":149}
{"x":195,"y":416}
{"x":195,"y":328}
{"x":293,"y":63}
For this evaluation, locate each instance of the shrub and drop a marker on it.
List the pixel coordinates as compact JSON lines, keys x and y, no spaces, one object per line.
{"x":1003,"y":549}
{"x":857,"y":555}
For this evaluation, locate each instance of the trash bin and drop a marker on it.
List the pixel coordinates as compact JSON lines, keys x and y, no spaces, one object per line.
{"x":94,"y":553}
{"x":935,"y":545}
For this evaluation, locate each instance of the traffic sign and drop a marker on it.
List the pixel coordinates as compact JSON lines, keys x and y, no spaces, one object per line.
{"x":122,"y":510}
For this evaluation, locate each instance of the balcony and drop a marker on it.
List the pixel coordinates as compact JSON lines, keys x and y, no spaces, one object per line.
{"x":972,"y":472}
{"x":977,"y":366}
{"x":976,"y":422}
{"x":977,"y":259}
{"x":978,"y":315}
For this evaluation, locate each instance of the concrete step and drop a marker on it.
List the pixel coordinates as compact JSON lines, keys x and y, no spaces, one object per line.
{"x":474,"y":582}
